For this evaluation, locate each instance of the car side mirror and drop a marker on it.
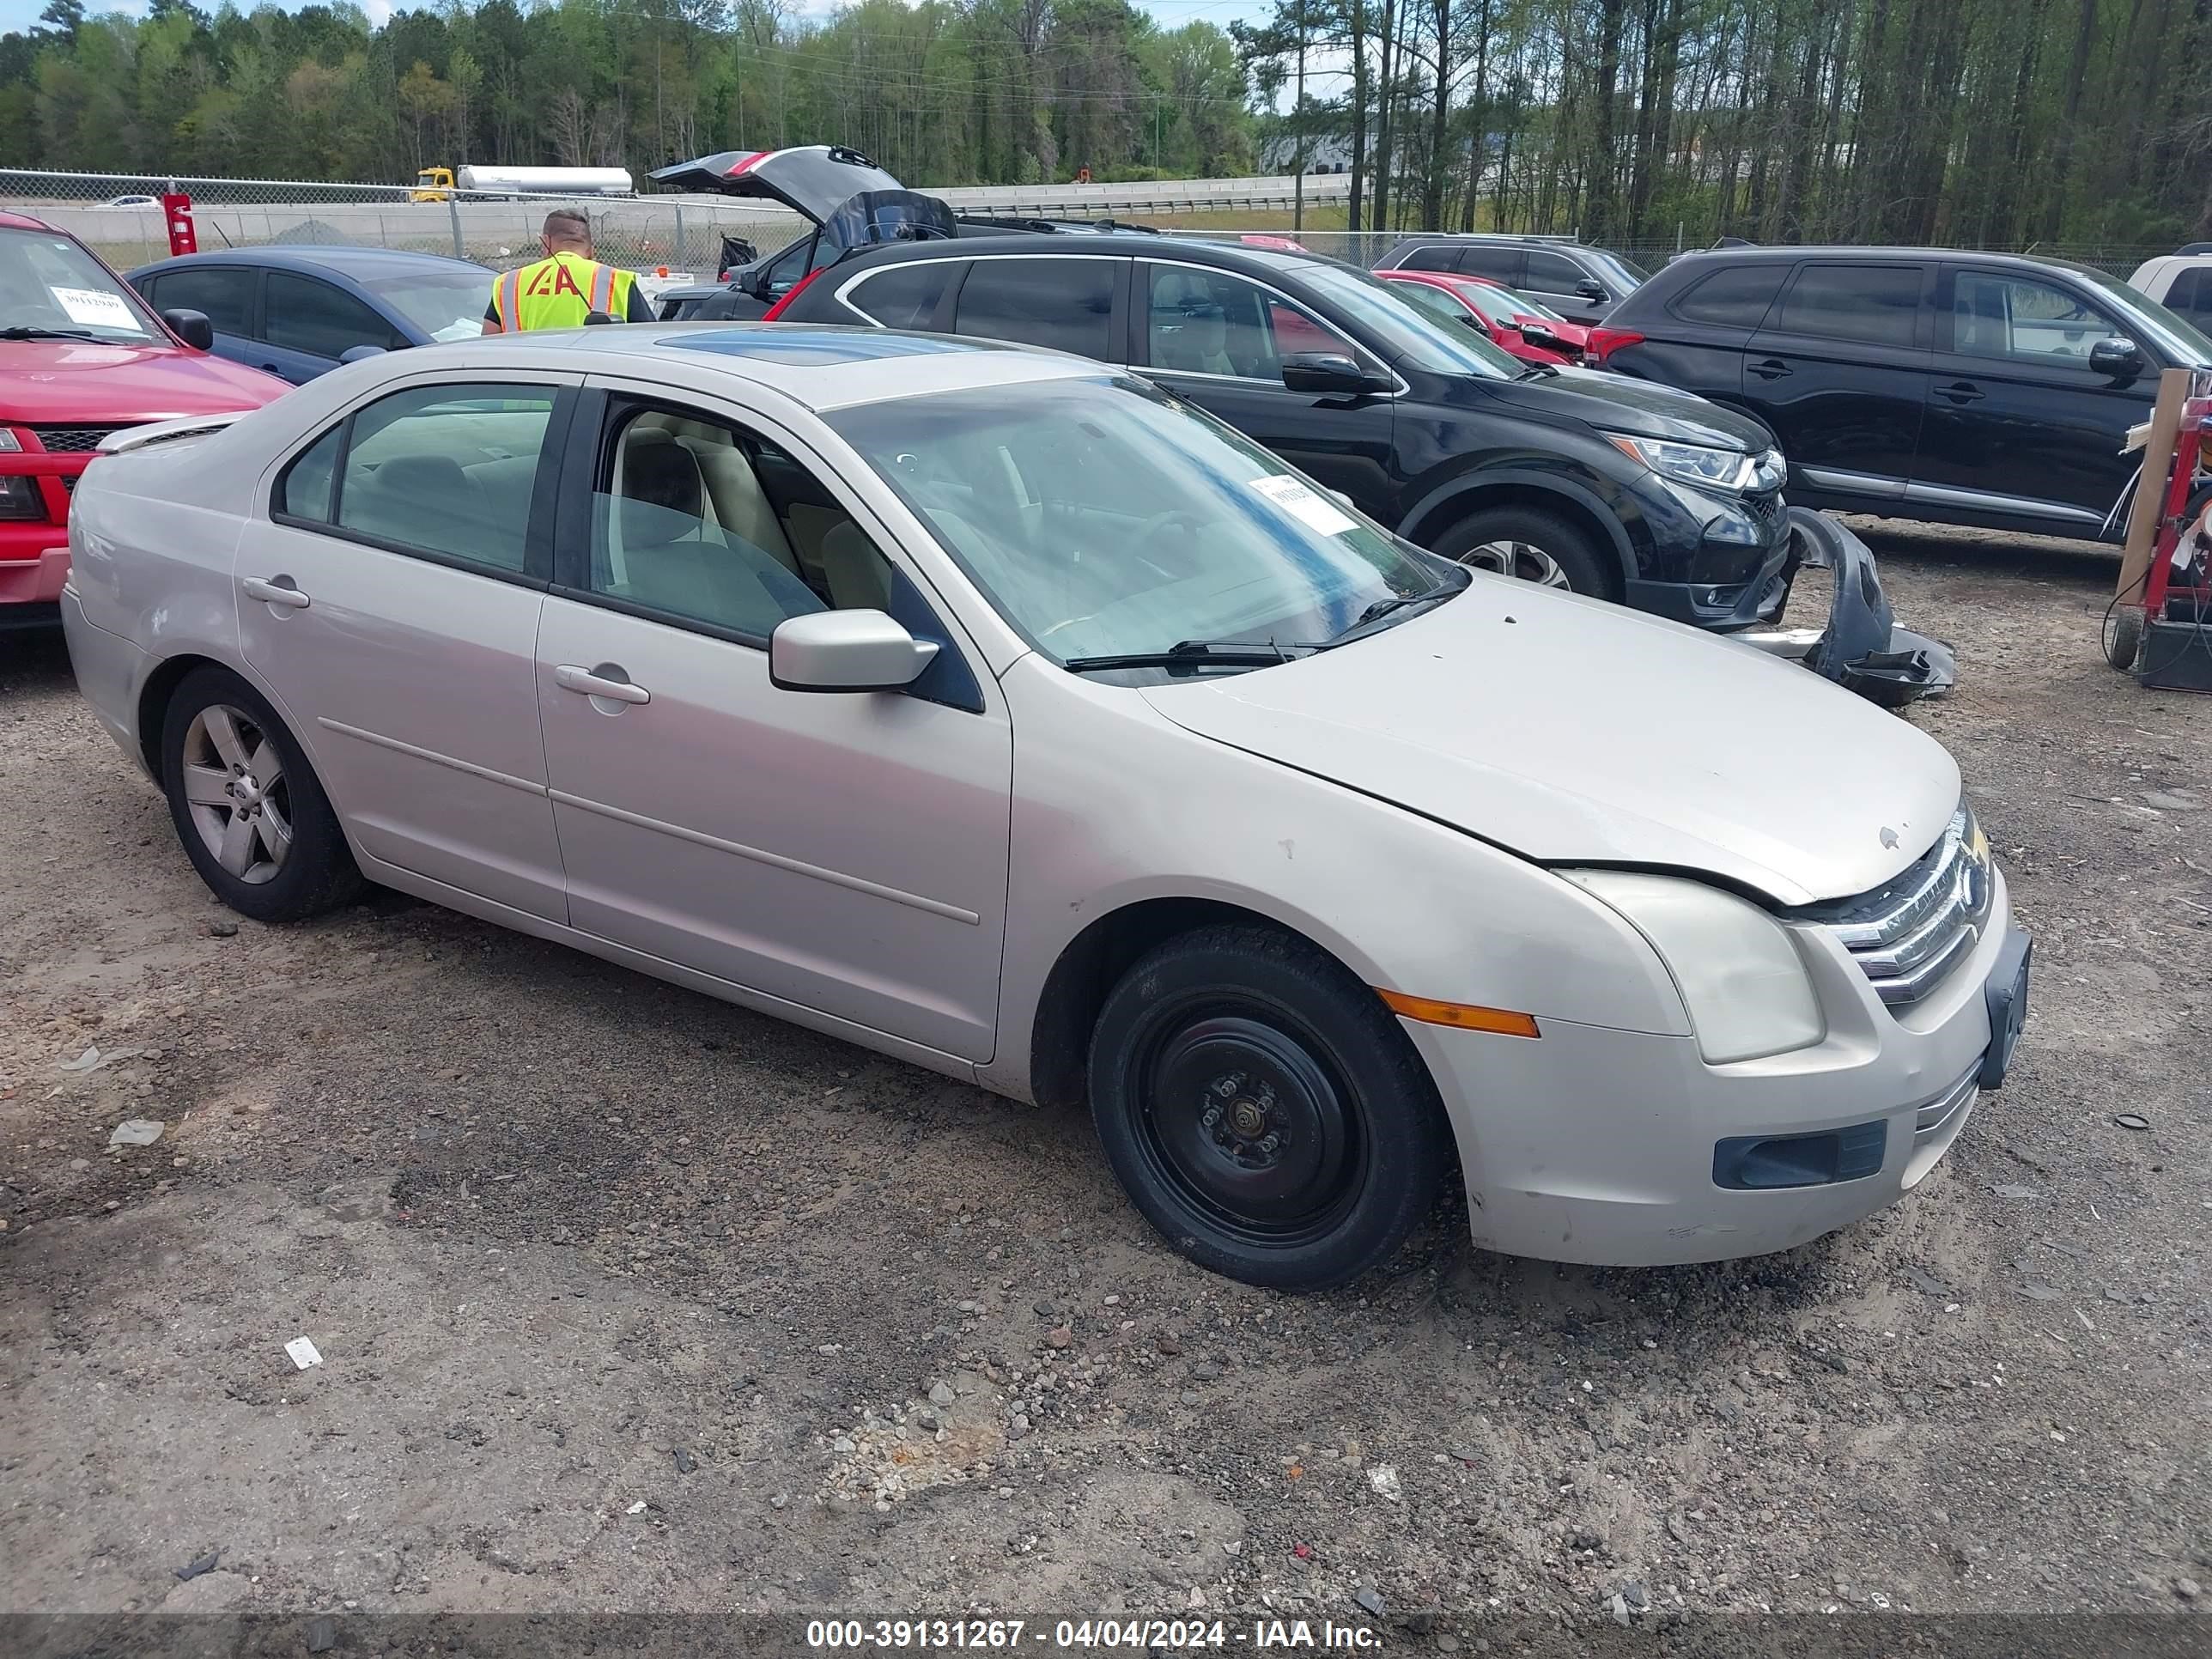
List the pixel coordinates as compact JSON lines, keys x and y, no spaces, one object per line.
{"x":1537,"y":334}
{"x":1594,"y":292}
{"x":2119,"y":358}
{"x":846,"y":651}
{"x":1330,"y":371}
{"x":754,"y":280}
{"x":192,"y":327}
{"x":592,"y":317}
{"x":360,"y":353}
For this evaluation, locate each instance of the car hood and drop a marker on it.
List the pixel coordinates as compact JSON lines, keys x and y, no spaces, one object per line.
{"x":1570,"y":731}
{"x":1642,"y":409}
{"x":814,"y":179}
{"x":84,"y":382}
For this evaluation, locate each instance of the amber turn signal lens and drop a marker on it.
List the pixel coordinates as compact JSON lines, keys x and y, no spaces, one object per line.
{"x":1461,"y":1016}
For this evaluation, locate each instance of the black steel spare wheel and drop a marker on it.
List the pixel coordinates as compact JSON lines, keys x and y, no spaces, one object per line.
{"x":1264,"y":1109}
{"x":1248,"y":1124}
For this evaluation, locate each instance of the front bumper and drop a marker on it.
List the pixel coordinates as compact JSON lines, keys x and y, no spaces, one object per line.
{"x":1592,"y":1144}
{"x":1724,"y":584}
{"x":35,"y":576}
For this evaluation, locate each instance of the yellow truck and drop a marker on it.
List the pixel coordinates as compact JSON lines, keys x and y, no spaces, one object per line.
{"x":438,"y":184}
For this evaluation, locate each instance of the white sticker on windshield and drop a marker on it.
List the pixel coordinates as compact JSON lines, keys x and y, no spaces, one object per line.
{"x":94,"y":308}
{"x":1294,"y":498}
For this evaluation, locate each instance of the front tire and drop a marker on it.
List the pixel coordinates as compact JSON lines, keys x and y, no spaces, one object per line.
{"x":1532,"y":545}
{"x":248,"y":808}
{"x":1263,"y":1110}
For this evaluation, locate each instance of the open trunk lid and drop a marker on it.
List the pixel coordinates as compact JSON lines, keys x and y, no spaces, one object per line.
{"x":812,"y":179}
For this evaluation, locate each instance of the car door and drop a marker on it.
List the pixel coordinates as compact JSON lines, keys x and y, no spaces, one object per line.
{"x":1218,"y":338}
{"x":844,"y":853}
{"x":308,"y":325}
{"x":1838,"y":369}
{"x":389,"y":600}
{"x":227,"y":294}
{"x":2018,"y":425}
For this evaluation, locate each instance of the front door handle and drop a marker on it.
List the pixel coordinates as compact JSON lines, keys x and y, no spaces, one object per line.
{"x":1772,"y":368}
{"x":1961,"y":392}
{"x":596,"y":683}
{"x":281,"y":591}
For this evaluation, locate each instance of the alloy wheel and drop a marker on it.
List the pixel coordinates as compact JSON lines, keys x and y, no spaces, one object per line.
{"x":1523,"y":559}
{"x":235,"y":791}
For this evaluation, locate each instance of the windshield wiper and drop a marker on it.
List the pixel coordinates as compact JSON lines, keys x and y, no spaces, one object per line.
{"x":1397,"y":606}
{"x":23,"y":331}
{"x":1191,"y":654}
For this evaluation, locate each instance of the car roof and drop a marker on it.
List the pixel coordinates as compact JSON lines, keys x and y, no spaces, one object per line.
{"x":343,"y":259}
{"x":1759,"y":252}
{"x":821,"y":368}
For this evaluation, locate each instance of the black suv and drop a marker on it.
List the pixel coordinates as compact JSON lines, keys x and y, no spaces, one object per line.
{"x":1983,"y":389}
{"x":1582,"y":284}
{"x":1578,"y":479}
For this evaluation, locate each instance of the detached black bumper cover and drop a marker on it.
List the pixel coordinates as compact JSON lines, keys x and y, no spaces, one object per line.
{"x":1861,"y":648}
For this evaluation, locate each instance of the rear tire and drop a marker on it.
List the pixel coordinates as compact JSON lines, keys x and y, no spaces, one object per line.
{"x":248,"y":808}
{"x":1533,"y":545}
{"x":1263,"y":1110}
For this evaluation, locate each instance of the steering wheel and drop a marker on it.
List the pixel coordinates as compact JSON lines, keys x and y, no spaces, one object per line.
{"x":1149,"y":531}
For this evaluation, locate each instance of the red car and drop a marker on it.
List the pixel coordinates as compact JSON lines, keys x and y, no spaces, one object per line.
{"x":1513,"y":321}
{"x":80,"y":355}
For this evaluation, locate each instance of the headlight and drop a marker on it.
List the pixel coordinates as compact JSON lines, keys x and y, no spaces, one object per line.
{"x":1740,"y":975}
{"x":9,"y":443}
{"x":1692,"y":463}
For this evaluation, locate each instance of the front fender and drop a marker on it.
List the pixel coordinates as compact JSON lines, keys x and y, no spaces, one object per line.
{"x":1456,"y":497}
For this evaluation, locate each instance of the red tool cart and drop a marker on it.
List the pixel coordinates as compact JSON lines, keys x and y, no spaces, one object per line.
{"x":2160,"y":624}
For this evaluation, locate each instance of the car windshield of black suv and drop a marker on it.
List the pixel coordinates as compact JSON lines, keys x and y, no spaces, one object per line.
{"x":49,"y":288}
{"x":1405,"y":335}
{"x":1105,"y":519}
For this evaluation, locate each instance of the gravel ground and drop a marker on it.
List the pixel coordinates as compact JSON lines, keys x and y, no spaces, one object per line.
{"x":629,"y":1300}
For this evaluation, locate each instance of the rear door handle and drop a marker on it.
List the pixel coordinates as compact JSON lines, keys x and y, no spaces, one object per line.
{"x":281,"y":591}
{"x":1961,"y":392}
{"x":1773,"y":368}
{"x":587,"y":682}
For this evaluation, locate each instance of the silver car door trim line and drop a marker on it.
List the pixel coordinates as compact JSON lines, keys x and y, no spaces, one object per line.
{"x":1949,"y":496}
{"x":774,"y":860}
{"x":1859,"y":483}
{"x":432,"y":754}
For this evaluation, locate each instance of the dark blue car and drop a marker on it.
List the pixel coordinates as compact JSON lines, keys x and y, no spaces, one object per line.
{"x":298,"y":312}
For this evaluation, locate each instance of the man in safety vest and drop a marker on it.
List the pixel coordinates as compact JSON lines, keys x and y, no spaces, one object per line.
{"x":565,"y":286}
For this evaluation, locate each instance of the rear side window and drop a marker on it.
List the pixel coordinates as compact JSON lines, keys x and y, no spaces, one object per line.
{"x":904,"y":296}
{"x":1501,"y":265}
{"x":2192,"y":293}
{"x":1065,"y":304}
{"x":1731,"y":299}
{"x":447,"y":469}
{"x":224,"y":292}
{"x":1878,"y":304}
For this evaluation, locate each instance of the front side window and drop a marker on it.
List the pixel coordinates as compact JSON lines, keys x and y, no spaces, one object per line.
{"x":1878,"y":304}
{"x":1101,"y":517}
{"x":447,"y":471}
{"x":703,"y":522}
{"x":304,"y":313}
{"x":2025,"y":320}
{"x":904,"y":296}
{"x":1553,"y":273}
{"x":1404,"y":335}
{"x":49,"y":285}
{"x":1064,"y":304}
{"x":1210,"y":322}
{"x":304,"y":491}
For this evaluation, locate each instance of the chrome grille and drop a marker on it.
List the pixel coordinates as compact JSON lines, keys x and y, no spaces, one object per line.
{"x":71,"y":439}
{"x":1906,"y":934}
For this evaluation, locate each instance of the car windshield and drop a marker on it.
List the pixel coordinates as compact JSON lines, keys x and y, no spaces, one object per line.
{"x":445,"y":305}
{"x":2178,"y":338}
{"x":1402,"y":333}
{"x":1102,"y":517}
{"x":49,"y":285}
{"x":1627,"y":274}
{"x":1527,"y":307}
{"x":1499,"y":305}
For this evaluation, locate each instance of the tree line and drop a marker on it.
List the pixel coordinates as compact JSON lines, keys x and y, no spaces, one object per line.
{"x":944,"y":92}
{"x":1995,"y":122}
{"x":1987,"y":123}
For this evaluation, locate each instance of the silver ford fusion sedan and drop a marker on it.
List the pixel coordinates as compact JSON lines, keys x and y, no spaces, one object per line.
{"x":990,"y":708}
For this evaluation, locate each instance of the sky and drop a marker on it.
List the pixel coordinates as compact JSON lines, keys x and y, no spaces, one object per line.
{"x":22,"y":14}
